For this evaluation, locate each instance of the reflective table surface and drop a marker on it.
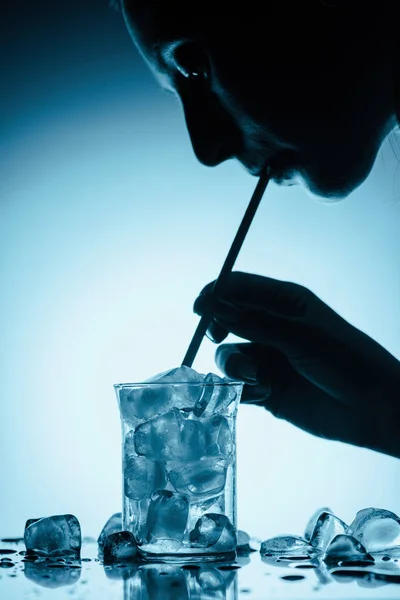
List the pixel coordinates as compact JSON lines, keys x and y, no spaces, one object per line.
{"x":249,"y":577}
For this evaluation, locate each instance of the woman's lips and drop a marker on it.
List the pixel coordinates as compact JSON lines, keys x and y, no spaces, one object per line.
{"x":284,"y":167}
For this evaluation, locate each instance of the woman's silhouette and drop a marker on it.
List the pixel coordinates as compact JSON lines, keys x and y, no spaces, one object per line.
{"x":312,"y":88}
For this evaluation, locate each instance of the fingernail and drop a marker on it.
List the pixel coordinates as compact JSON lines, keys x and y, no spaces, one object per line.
{"x":216,"y":333}
{"x":247,"y":369}
{"x":227,"y":312}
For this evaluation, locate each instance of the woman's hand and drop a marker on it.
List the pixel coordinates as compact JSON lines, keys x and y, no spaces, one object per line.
{"x":305,"y":363}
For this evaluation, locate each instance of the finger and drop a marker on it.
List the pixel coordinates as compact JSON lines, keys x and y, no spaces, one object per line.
{"x":283,"y":297}
{"x":287,"y":395}
{"x":216,"y":333}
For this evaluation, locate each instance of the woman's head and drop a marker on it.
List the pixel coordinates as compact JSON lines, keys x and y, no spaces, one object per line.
{"x":307,"y":85}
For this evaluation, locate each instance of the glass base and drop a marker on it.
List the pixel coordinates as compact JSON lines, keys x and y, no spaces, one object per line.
{"x":186,"y":558}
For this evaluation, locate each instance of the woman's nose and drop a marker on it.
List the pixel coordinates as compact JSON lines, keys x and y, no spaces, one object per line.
{"x":214,"y":135}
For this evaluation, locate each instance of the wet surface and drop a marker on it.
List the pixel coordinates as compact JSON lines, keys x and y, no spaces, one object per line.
{"x":23,"y":575}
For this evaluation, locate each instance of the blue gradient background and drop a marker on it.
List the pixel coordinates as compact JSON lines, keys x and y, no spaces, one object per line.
{"x":109,"y":229}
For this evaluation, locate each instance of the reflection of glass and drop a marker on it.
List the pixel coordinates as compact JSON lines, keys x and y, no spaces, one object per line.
{"x":179,"y":467}
{"x":170,"y":582}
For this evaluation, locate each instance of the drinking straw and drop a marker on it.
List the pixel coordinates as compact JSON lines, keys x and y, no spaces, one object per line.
{"x":227,"y":266}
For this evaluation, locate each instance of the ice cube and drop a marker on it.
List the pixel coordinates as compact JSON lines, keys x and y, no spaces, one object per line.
{"x":326,"y":528}
{"x":142,"y":477}
{"x":181,"y":374}
{"x":214,"y":531}
{"x":215,"y":398}
{"x":289,"y":545}
{"x":203,"y":478}
{"x":119,"y":547}
{"x":219,"y":440}
{"x":167,"y":516}
{"x":113,"y":525}
{"x":59,"y":535}
{"x":159,"y":438}
{"x":376,"y":529}
{"x":144,"y":402}
{"x":243,"y":543}
{"x":51,"y":578}
{"x":313,"y":521}
{"x":171,"y":436}
{"x":346,"y":547}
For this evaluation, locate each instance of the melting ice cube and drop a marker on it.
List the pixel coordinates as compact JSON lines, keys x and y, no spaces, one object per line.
{"x":167,"y":516}
{"x":142,"y":477}
{"x":376,"y":529}
{"x":59,"y":535}
{"x":313,"y":521}
{"x":119,"y":547}
{"x":216,"y":531}
{"x":346,"y":547}
{"x":326,"y":528}
{"x":289,"y":545}
{"x":203,"y":478}
{"x":113,"y":525}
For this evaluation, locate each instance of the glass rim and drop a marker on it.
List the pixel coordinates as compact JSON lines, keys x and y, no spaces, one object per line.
{"x":119,"y":386}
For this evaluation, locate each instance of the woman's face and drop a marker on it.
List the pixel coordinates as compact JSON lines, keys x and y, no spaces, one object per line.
{"x":305,"y":87}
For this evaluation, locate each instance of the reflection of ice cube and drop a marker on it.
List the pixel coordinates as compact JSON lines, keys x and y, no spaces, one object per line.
{"x":113,"y":525}
{"x":171,"y":436}
{"x":211,"y":584}
{"x":346,"y":547}
{"x":214,"y":398}
{"x":289,"y":545}
{"x":218,"y":436}
{"x":47,"y":577}
{"x":326,"y":528}
{"x":119,"y":547}
{"x":376,"y":529}
{"x":313,"y":521}
{"x":144,"y":402}
{"x":142,"y":477}
{"x":214,"y":530}
{"x":59,"y":535}
{"x":202,"y":478}
{"x":167,"y":516}
{"x":163,"y":582}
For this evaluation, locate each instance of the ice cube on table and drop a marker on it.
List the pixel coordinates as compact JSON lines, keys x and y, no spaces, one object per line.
{"x":167,"y":516}
{"x":346,"y":548}
{"x":214,"y":398}
{"x":287,"y":545}
{"x":377,"y":529}
{"x":142,"y":477}
{"x":218,"y":436}
{"x":59,"y":535}
{"x":243,"y":543}
{"x":113,"y":525}
{"x":119,"y":547}
{"x":326,"y":528}
{"x":215,"y":531}
{"x":313,"y":521}
{"x":201,"y":479}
